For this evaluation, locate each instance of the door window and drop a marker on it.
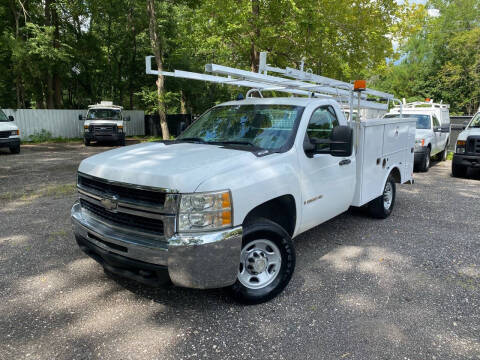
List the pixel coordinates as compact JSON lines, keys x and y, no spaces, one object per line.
{"x":436,"y":123}
{"x":321,"y":123}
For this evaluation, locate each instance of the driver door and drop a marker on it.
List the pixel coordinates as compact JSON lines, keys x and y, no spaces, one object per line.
{"x":328,"y":182}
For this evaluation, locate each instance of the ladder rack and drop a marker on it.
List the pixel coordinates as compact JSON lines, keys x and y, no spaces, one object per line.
{"x":292,"y":81}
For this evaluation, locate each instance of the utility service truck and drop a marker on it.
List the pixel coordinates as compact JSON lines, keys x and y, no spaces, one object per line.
{"x":9,"y":133}
{"x":104,"y":122}
{"x":467,"y":149}
{"x":220,"y":205}
{"x":433,"y":130}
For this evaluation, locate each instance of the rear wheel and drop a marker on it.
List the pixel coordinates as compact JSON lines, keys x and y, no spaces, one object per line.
{"x":382,"y":207}
{"x":459,"y":170}
{"x":267,"y":262}
{"x":15,"y":149}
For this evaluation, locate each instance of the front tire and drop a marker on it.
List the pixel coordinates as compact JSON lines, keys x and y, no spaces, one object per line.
{"x":459,"y":171}
{"x":382,"y":207}
{"x":15,"y":149}
{"x":86,"y":142}
{"x":267,"y":262}
{"x":425,"y":164}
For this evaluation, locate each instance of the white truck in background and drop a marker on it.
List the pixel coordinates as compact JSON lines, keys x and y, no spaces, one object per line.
{"x":104,"y":122}
{"x":9,"y":133}
{"x":433,"y":130}
{"x":467,"y":149}
{"x":220,"y":205}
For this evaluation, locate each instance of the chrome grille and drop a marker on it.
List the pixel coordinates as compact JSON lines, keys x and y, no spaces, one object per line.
{"x":103,"y":129}
{"x":132,"y":194}
{"x":125,"y":220}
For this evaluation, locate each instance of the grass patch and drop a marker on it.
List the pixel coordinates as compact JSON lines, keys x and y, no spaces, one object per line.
{"x":44,"y":136}
{"x":450,"y":155}
{"x":55,"y":191}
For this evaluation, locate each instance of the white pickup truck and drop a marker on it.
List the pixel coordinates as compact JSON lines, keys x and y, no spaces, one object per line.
{"x":467,"y":149}
{"x":433,"y":130}
{"x":220,"y":205}
{"x":9,"y":134}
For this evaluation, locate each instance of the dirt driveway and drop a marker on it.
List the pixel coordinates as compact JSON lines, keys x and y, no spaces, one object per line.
{"x":404,"y":288}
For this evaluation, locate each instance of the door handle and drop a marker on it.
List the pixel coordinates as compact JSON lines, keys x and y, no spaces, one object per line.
{"x":344,"y":162}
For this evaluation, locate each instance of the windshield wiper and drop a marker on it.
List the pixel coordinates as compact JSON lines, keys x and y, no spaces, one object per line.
{"x":194,"y":139}
{"x":234,"y":142}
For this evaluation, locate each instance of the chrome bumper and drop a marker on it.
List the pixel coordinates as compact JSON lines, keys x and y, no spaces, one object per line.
{"x":200,"y":260}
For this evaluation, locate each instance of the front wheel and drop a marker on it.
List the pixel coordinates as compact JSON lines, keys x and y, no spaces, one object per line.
{"x":459,"y":171}
{"x":15,"y":149}
{"x":425,"y":164}
{"x":86,"y":142}
{"x":382,"y":207}
{"x":267,"y":262}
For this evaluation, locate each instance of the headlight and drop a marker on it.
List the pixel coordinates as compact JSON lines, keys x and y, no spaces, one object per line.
{"x":205,"y":211}
{"x":420,"y":142}
{"x":15,"y":132}
{"x":460,"y":149}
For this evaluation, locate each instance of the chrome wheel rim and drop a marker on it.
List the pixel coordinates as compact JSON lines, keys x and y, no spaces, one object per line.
{"x":387,"y":196}
{"x":260,"y":263}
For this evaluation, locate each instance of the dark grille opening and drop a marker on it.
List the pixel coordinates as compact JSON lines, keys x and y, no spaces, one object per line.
{"x":4,"y":134}
{"x":127,"y":220}
{"x":107,"y":243}
{"x":103,"y":129}
{"x":124,"y":193}
{"x":473,"y":144}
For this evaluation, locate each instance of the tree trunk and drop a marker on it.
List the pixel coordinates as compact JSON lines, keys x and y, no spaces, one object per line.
{"x":57,"y":81}
{"x":48,"y":75}
{"x":254,"y":54}
{"x":183,"y":103}
{"x":155,"y":43}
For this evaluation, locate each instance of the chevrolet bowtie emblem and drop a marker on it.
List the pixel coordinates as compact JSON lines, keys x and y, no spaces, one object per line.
{"x":110,"y":204}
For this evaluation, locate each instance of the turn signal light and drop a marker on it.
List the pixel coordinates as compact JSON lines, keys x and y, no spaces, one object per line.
{"x":461,"y":143}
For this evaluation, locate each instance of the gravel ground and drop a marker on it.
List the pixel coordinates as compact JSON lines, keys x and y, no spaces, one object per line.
{"x":404,"y":288}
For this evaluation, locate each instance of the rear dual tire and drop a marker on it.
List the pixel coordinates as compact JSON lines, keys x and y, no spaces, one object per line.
{"x":267,"y":262}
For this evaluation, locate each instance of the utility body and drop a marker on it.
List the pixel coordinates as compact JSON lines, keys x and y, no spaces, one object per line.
{"x":9,"y":133}
{"x":220,"y":205}
{"x":104,"y":122}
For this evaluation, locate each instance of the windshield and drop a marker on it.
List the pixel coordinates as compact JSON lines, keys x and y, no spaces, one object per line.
{"x":268,"y":127}
{"x":3,"y":117}
{"x":475,"y":123}
{"x":423,"y":121}
{"x":97,"y":114}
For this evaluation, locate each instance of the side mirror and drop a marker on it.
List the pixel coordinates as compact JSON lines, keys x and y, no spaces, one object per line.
{"x":11,"y":118}
{"x":465,"y":124}
{"x":445,"y":128}
{"x":340,"y":143}
{"x":80,"y":117}
{"x":127,"y":118}
{"x":437,"y":129}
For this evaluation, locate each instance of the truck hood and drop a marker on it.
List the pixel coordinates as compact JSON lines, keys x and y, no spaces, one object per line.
{"x":469,"y":132}
{"x":423,"y":133}
{"x":181,"y":167}
{"x":7,"y":126}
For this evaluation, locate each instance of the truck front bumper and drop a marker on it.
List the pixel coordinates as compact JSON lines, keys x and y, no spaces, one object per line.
{"x":472,"y":161}
{"x":200,"y":260}
{"x":104,"y":137}
{"x":10,"y":142}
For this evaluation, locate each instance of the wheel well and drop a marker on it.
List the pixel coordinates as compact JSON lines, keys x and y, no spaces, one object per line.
{"x":281,"y":210}
{"x":395,"y":173}
{"x":429,"y":146}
